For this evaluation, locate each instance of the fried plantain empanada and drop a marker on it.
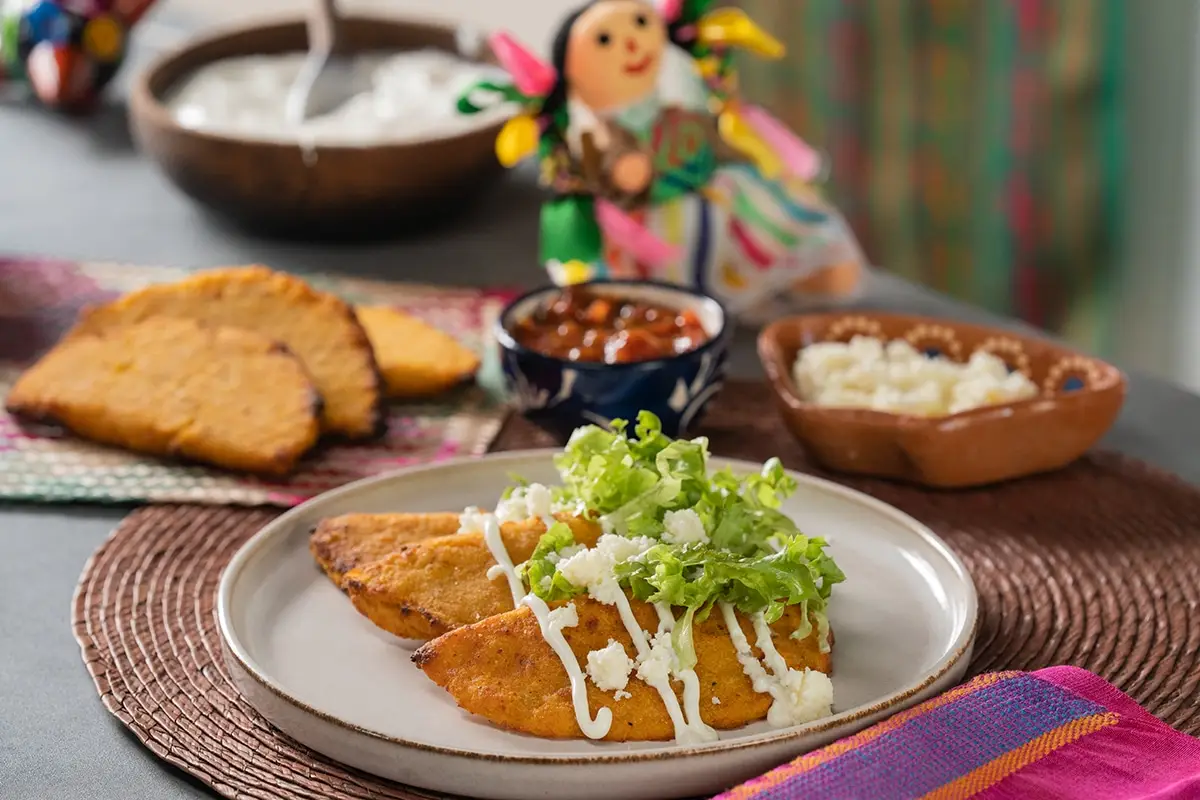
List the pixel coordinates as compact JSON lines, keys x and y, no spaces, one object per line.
{"x":504,"y":670}
{"x":425,"y":589}
{"x":339,"y":544}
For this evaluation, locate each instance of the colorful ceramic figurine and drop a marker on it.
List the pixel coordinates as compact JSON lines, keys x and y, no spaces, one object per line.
{"x":67,"y":50}
{"x":715,"y":193}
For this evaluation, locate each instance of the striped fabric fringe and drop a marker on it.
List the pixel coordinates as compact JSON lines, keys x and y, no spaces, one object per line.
{"x":976,"y":145}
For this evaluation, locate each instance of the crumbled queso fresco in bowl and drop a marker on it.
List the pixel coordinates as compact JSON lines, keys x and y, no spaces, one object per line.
{"x":894,"y":377}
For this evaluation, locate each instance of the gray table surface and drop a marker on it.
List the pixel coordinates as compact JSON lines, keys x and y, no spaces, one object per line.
{"x":79,"y":190}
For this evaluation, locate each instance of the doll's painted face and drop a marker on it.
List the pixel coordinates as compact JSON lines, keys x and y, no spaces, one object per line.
{"x":615,"y":53}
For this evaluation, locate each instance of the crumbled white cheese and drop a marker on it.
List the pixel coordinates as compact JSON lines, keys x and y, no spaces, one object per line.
{"x":605,"y":590}
{"x":471,"y":520}
{"x":565,"y":553}
{"x":537,"y":500}
{"x":592,"y":569}
{"x":533,"y":500}
{"x":895,"y":377}
{"x":716,"y":701}
{"x":609,"y":667}
{"x":684,"y":527}
{"x":563,"y":617}
{"x":809,"y":696}
{"x":513,"y":508}
{"x":525,"y":502}
{"x":657,"y":663}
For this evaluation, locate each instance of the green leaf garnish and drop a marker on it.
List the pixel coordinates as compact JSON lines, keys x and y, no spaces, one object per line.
{"x":541,"y":573}
{"x":696,"y":576}
{"x":756,"y":558}
{"x":632,"y":482}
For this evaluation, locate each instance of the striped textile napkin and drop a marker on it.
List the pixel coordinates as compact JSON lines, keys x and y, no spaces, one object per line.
{"x":1060,"y":732}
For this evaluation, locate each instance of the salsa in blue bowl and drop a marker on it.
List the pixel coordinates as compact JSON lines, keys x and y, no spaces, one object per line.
{"x":605,"y":350}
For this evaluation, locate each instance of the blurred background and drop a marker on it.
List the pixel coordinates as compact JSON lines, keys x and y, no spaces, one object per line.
{"x":1034,"y":157}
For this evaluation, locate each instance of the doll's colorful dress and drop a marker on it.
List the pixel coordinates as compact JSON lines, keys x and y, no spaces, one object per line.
{"x":743,"y":238}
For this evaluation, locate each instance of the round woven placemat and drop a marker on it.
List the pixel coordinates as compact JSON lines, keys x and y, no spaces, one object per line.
{"x":1097,"y":565}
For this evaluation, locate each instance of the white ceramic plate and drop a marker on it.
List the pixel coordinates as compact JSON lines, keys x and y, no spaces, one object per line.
{"x":298,"y":651}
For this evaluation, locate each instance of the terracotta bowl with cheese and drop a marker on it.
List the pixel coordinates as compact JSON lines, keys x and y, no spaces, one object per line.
{"x":1041,"y":411}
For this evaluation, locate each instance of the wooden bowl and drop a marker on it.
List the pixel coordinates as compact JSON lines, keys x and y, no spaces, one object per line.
{"x":345,"y":191}
{"x":1079,"y":400}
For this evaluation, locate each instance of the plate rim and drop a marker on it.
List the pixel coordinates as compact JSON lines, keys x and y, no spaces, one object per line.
{"x":961,"y":646}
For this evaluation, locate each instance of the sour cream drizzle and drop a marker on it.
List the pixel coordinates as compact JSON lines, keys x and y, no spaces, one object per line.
{"x":631,"y":625}
{"x":796,"y":694}
{"x":762,"y":635}
{"x":759,"y":679}
{"x":491,"y":535}
{"x":781,"y":713}
{"x":551,"y":626}
{"x":666,"y":619}
{"x":698,"y":729}
{"x":691,"y":706}
{"x":689,"y":727}
{"x":552,"y":631}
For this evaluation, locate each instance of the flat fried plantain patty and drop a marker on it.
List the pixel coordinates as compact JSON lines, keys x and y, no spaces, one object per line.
{"x":425,"y":589}
{"x":339,"y":544}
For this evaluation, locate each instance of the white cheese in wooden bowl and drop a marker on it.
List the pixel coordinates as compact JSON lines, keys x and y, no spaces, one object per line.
{"x":895,"y":377}
{"x":408,"y":96}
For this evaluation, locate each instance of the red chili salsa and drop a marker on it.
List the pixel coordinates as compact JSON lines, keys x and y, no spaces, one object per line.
{"x":581,"y":326}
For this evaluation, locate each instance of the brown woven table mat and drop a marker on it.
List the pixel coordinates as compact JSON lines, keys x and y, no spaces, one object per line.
{"x":1097,"y":566}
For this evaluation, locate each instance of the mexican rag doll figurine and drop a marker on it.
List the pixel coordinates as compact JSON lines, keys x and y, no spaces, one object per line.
{"x":713,"y":193}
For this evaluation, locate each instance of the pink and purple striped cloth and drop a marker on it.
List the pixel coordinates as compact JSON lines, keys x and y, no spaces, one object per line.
{"x":1055,"y":733}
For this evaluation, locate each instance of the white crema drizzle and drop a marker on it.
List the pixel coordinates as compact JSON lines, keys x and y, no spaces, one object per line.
{"x":700,"y":731}
{"x":504,"y":565}
{"x":798,"y":696}
{"x":666,"y":619}
{"x":552,"y":624}
{"x":657,"y":668}
{"x":782,"y":712}
{"x":760,"y":680}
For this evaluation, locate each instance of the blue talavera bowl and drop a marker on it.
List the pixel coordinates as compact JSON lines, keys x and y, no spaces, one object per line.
{"x":560,"y":395}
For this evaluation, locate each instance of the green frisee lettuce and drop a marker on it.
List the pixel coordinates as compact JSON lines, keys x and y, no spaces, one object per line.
{"x":756,"y":559}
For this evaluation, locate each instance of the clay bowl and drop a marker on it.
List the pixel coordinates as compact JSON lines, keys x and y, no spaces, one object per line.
{"x":345,"y":191}
{"x":1079,"y":400}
